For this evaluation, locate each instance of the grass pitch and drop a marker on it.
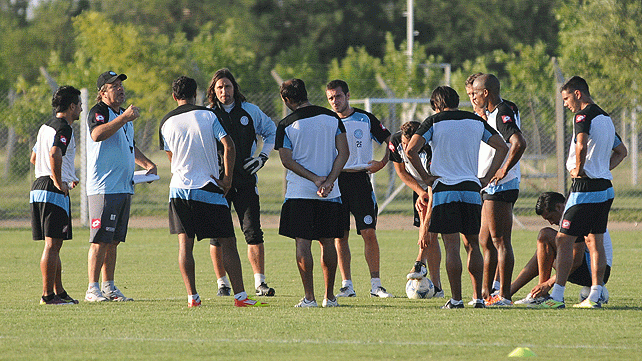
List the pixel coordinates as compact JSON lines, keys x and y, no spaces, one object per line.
{"x":159,"y":326}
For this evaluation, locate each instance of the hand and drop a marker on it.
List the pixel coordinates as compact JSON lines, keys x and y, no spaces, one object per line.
{"x":499,"y":175}
{"x":131,"y":113}
{"x":484,"y":181}
{"x":325,"y":189}
{"x":73,"y":184}
{"x":252,"y":164}
{"x":540,"y":290}
{"x":152,"y":170}
{"x":422,"y":203}
{"x":63,"y":186}
{"x":224,"y":183}
{"x":575,"y":173}
{"x":374,"y":166}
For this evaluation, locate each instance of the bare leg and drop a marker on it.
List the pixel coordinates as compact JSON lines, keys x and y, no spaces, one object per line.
{"x":305,"y":262}
{"x":595,"y":246}
{"x":109,"y":265}
{"x":186,"y":262}
{"x":453,"y":263}
{"x":431,"y":256}
{"x":232,"y":263}
{"x":95,"y":260}
{"x":489,"y":250}
{"x":564,"y":260}
{"x":500,"y":227}
{"x":344,"y":257}
{"x":371,"y":251}
{"x":329,"y":266}
{"x":50,"y":266}
{"x":216,"y":253}
{"x":256,"y":255}
{"x":475,"y":262}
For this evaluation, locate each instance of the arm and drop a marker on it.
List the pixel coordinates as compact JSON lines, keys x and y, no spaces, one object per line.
{"x":143,"y":161}
{"x":104,"y":131}
{"x":619,"y":153}
{"x":408,"y":179}
{"x":425,"y":213}
{"x":229,"y":157}
{"x":343,"y":153}
{"x":374,"y":166}
{"x":515,"y":152}
{"x":412,"y":151}
{"x":286,"y":158}
{"x":501,"y":149}
{"x":55,"y":161}
{"x":581,"y":142}
{"x":33,"y":158}
{"x":169,"y":156}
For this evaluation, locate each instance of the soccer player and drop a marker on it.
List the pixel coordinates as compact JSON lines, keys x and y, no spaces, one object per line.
{"x":313,"y":148}
{"x":53,"y":156}
{"x":499,"y":196}
{"x":590,"y":161}
{"x":429,"y":251}
{"x":112,"y":156}
{"x":455,"y":137}
{"x":469,"y":91}
{"x":550,"y":205}
{"x":197,"y":205}
{"x":243,"y":122}
{"x":357,"y":195}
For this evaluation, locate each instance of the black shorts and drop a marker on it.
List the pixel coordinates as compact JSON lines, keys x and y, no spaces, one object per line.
{"x":246,"y":204}
{"x":357,"y":197}
{"x":50,"y":211}
{"x":310,"y":219}
{"x":456,"y":209}
{"x":200,"y":219}
{"x":509,"y":196}
{"x":587,"y":208}
{"x":582,"y":275}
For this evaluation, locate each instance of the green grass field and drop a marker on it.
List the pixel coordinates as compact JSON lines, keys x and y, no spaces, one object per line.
{"x":159,"y":326}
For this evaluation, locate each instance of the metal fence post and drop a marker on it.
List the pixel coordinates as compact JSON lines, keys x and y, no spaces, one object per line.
{"x":560,"y":129}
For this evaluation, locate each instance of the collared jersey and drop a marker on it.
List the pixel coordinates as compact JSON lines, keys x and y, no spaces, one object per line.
{"x":454,"y":137}
{"x":56,"y":132}
{"x":505,"y":120}
{"x":111,"y":162}
{"x":190,"y":133}
{"x":361,"y":128}
{"x":310,"y":132}
{"x":398,"y":155}
{"x":602,"y":138}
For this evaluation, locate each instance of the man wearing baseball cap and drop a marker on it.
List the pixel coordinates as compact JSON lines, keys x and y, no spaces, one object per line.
{"x":111,"y":159}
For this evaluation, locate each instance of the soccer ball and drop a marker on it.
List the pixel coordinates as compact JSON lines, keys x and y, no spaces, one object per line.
{"x":421,"y":288}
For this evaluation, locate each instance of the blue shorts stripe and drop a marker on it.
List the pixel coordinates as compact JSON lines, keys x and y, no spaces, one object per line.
{"x":576,"y":198}
{"x":198,"y":195}
{"x":43,"y":196}
{"x":456,"y":196}
{"x":508,"y":186}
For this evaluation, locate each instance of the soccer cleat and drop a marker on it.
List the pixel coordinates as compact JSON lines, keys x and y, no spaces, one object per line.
{"x":439,"y":294}
{"x":347,"y":291}
{"x":449,"y":305}
{"x":54,"y":301}
{"x":224,"y":291}
{"x":264,"y":290}
{"x":114,"y":294}
{"x":330,"y":303}
{"x":249,"y":302}
{"x":68,"y":299}
{"x":529,"y":300}
{"x":419,"y":271}
{"x":587,"y":303}
{"x":305,"y":303}
{"x":95,"y":295}
{"x":477,"y":303}
{"x":498,"y":300}
{"x":550,"y":303}
{"x":381,"y":293}
{"x":194,"y":303}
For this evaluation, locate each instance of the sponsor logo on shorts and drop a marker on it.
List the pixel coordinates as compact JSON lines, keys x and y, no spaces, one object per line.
{"x":506,"y":118}
{"x":63,"y":140}
{"x":65,"y":228}
{"x":245,"y":120}
{"x":112,"y":217}
{"x":110,"y":229}
{"x":367,"y":219}
{"x":95,"y":223}
{"x":580,"y":118}
{"x":100,"y":118}
{"x":566,"y":224}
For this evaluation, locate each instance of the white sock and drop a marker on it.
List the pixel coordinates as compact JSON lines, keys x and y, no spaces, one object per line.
{"x":375,"y":282}
{"x":223,"y":281}
{"x":557,"y":293}
{"x":194,"y":297}
{"x":108,"y":285}
{"x":347,"y":283}
{"x":453,"y":302}
{"x":94,"y":285}
{"x":496,"y":285}
{"x":258,"y":279}
{"x":596,"y":291}
{"x":240,"y":296}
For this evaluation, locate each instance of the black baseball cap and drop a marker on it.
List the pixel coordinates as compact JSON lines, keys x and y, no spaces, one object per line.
{"x":109,"y":77}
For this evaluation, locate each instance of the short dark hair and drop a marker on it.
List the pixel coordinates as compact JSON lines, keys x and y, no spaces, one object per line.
{"x":294,"y":89}
{"x":408,"y":129}
{"x":471,"y":79}
{"x":547,"y":202}
{"x":338,"y":83}
{"x":184,"y":88}
{"x":444,"y":97}
{"x":64,"y":97}
{"x":576,"y":83}
{"x":220,"y":74}
{"x":489,"y":82}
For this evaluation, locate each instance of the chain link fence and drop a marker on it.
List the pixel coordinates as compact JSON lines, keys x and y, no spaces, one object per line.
{"x":539,"y":163}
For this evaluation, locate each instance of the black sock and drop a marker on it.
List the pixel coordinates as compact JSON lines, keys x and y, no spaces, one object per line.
{"x":437,"y":289}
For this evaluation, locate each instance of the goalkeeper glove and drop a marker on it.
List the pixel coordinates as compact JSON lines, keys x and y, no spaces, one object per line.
{"x":252,"y":164}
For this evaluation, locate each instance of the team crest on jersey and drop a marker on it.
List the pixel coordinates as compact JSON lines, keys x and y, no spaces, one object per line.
{"x":358,"y":133}
{"x":100,"y":118}
{"x":63,"y":140}
{"x":391,"y":147}
{"x":506,"y":118}
{"x":245,"y":120}
{"x":580,"y":118}
{"x":566,"y":224}
{"x":95,"y":223}
{"x":382,"y":126}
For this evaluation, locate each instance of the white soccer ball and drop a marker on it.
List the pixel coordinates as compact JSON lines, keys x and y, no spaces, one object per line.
{"x":421,"y":288}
